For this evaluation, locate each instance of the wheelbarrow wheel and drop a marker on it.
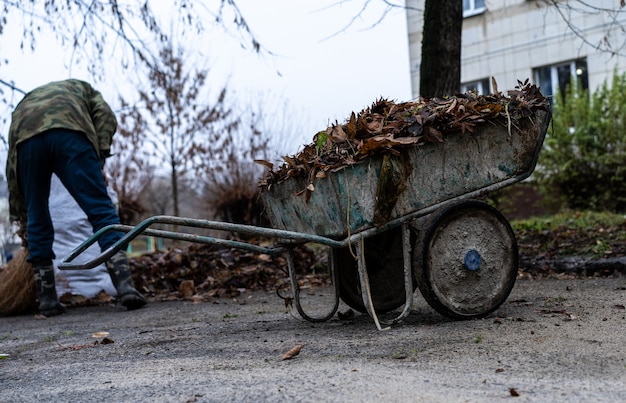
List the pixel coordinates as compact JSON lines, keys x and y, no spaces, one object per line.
{"x":383,"y":259}
{"x":465,"y":260}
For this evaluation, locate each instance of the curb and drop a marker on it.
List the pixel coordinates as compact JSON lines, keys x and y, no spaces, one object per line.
{"x":584,"y":266}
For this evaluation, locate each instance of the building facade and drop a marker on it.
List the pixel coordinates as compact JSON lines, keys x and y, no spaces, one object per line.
{"x":513,"y":40}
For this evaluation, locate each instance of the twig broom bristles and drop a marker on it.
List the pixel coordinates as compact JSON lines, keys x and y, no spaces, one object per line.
{"x":17,"y":286}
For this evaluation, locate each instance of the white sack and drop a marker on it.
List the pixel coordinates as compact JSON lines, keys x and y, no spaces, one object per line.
{"x":71,"y":228}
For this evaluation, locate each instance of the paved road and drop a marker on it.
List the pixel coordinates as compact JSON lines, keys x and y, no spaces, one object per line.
{"x":553,"y":340}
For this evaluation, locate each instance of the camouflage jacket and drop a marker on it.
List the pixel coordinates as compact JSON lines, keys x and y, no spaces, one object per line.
{"x":69,"y":104}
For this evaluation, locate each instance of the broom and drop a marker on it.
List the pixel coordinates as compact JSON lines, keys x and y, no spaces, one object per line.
{"x":17,"y":286}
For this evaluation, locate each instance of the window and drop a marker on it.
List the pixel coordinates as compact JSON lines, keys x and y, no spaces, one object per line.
{"x":480,"y":86}
{"x":556,"y":78}
{"x":473,"y":7}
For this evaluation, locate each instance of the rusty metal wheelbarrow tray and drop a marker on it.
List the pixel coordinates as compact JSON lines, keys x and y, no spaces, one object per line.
{"x":467,"y":165}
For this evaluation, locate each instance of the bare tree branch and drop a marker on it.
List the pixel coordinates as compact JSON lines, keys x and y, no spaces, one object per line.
{"x":134,"y":26}
{"x":365,"y":6}
{"x":616,"y":22}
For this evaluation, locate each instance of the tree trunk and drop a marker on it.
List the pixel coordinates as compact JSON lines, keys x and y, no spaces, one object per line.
{"x":175,"y":188}
{"x":175,"y":194}
{"x":440,"y":72}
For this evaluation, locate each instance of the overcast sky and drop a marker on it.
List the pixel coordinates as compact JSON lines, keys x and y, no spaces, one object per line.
{"x":328,"y":68}
{"x":321,"y":66}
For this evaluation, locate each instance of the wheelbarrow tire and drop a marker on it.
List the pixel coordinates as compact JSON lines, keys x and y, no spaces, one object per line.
{"x":465,"y":260}
{"x":383,"y":259}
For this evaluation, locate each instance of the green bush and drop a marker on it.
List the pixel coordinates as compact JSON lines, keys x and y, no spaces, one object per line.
{"x":583,"y":161}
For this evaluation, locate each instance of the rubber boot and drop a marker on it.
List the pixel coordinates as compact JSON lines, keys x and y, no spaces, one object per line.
{"x":49,"y":304}
{"x":119,"y":270}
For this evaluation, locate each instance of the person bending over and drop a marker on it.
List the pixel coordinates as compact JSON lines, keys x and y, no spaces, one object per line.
{"x":66,"y":128}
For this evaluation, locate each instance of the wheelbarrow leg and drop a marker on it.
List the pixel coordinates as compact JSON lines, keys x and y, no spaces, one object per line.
{"x":408,"y":279}
{"x":408,"y":274}
{"x":365,"y":284}
{"x":296,"y":288}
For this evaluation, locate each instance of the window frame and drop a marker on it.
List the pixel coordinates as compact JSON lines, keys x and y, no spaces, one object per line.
{"x":482,"y":86}
{"x":472,"y":9}
{"x":573,"y":66}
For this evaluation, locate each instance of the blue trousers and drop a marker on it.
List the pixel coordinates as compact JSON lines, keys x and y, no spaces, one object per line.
{"x":72,"y":157}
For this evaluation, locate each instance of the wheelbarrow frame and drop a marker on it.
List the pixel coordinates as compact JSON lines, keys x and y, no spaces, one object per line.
{"x":287,"y":239}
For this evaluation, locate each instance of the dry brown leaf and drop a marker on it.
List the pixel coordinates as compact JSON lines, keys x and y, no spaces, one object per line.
{"x":337,"y":134}
{"x":347,"y":315}
{"x":494,"y":85}
{"x":375,"y":125}
{"x":99,"y":335}
{"x":186,"y":288}
{"x":405,"y":140}
{"x":293,"y":352}
{"x":102,"y":296}
{"x":371,"y":145}
{"x":266,"y":164}
{"x":264,"y":257}
{"x":452,"y":106}
{"x":76,"y":347}
{"x":433,"y":135}
{"x":74,"y":299}
{"x":351,"y":126}
{"x":289,"y":160}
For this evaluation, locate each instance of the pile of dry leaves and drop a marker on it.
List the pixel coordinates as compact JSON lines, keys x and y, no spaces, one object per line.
{"x":387,"y":127}
{"x":202,"y":272}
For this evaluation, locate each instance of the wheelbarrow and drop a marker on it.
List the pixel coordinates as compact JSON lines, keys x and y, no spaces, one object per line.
{"x":460,"y":252}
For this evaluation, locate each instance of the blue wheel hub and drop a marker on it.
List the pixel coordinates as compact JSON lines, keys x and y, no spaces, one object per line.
{"x":472,"y":260}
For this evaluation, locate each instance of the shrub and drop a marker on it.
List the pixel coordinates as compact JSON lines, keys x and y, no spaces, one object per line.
{"x":583,"y":161}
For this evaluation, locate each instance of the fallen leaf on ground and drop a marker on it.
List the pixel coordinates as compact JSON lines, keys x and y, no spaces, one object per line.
{"x":69,"y":299}
{"x":349,"y":314}
{"x":520,"y":302}
{"x":186,"y":288}
{"x":99,"y":335}
{"x":552,"y":311}
{"x":293,"y":352}
{"x":570,"y":317}
{"x":76,"y":347}
{"x":103,"y":297}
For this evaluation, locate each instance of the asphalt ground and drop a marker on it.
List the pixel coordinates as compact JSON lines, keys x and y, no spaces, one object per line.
{"x":553,"y":340}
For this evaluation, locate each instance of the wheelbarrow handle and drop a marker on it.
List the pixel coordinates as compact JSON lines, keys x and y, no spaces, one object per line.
{"x":142,"y":228}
